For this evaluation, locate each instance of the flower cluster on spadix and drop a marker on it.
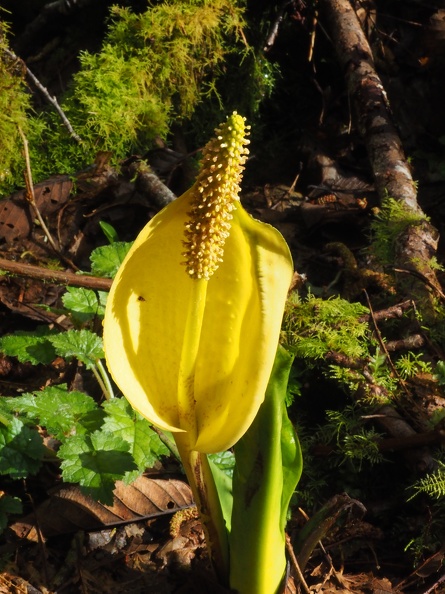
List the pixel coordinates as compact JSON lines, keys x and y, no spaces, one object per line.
{"x":193,"y":317}
{"x":216,"y":193}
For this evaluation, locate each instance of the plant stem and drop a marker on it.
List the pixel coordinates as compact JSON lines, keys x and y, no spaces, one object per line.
{"x":196,"y":464}
{"x":169,"y":443}
{"x":30,"y":192}
{"x":103,"y":380}
{"x":200,"y":477}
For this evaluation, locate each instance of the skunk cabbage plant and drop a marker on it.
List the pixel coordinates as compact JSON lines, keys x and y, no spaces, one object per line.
{"x":193,"y":318}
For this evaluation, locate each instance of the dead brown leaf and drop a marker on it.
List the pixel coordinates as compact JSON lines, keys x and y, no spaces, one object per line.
{"x":16,"y":217}
{"x":69,"y":510}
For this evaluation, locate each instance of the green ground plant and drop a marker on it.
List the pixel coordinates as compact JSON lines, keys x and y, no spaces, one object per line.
{"x":100,"y":442}
{"x":433,"y":484}
{"x":336,"y":350}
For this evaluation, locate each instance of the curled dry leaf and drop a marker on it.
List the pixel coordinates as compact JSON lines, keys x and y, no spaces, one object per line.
{"x":69,"y":510}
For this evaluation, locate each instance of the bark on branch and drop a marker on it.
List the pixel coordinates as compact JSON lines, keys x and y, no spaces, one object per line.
{"x":55,"y":276}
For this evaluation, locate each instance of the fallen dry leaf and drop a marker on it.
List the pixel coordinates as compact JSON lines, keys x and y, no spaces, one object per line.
{"x":16,"y":215}
{"x":69,"y":510}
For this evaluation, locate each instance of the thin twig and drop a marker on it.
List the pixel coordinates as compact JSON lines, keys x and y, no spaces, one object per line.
{"x":423,"y":278}
{"x":30,"y":196}
{"x":433,"y":587}
{"x":55,"y":104}
{"x":45,"y":92}
{"x":296,"y":566}
{"x":275,"y":26}
{"x":381,"y":341}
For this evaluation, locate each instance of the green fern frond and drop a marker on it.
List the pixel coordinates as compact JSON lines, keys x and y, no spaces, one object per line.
{"x":433,"y":484}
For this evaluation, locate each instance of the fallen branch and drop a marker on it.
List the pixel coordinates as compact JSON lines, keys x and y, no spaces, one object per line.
{"x":149,"y":184}
{"x":58,"y":277}
{"x":394,"y":311}
{"x":417,"y":245}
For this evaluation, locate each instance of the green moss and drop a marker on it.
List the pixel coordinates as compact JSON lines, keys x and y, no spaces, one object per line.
{"x":14,"y":101}
{"x":313,"y":327}
{"x":153,"y":70}
{"x":393,"y":219}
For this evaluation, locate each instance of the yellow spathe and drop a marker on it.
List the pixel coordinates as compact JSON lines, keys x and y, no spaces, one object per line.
{"x":231,"y":321}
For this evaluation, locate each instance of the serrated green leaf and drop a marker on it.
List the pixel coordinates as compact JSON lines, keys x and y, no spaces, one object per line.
{"x":29,"y":347}
{"x":82,"y":344}
{"x":92,"y":421}
{"x":145,"y":445}
{"x":84,"y":304}
{"x":21,"y":450}
{"x":96,"y":462}
{"x":106,"y":260}
{"x":56,"y":409}
{"x":6,"y":410}
{"x":8,"y":505}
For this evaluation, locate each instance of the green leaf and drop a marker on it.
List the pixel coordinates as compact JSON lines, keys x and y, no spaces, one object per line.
{"x":106,"y":260}
{"x":33,"y":347}
{"x":268,"y":468}
{"x":109,"y":231}
{"x":85,"y":304}
{"x":6,"y":410}
{"x":8,"y":505}
{"x":223,"y":484}
{"x":144,"y":443}
{"x":82,"y":344}
{"x":21,"y":450}
{"x":56,"y":409}
{"x":96,"y":462}
{"x":91,"y":421}
{"x":440,"y":373}
{"x":225,"y":461}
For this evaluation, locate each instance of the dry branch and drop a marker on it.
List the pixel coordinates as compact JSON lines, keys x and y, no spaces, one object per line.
{"x":55,"y":276}
{"x":418,"y":243}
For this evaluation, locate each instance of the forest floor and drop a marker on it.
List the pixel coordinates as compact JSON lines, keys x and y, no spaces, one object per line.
{"x":312,"y":179}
